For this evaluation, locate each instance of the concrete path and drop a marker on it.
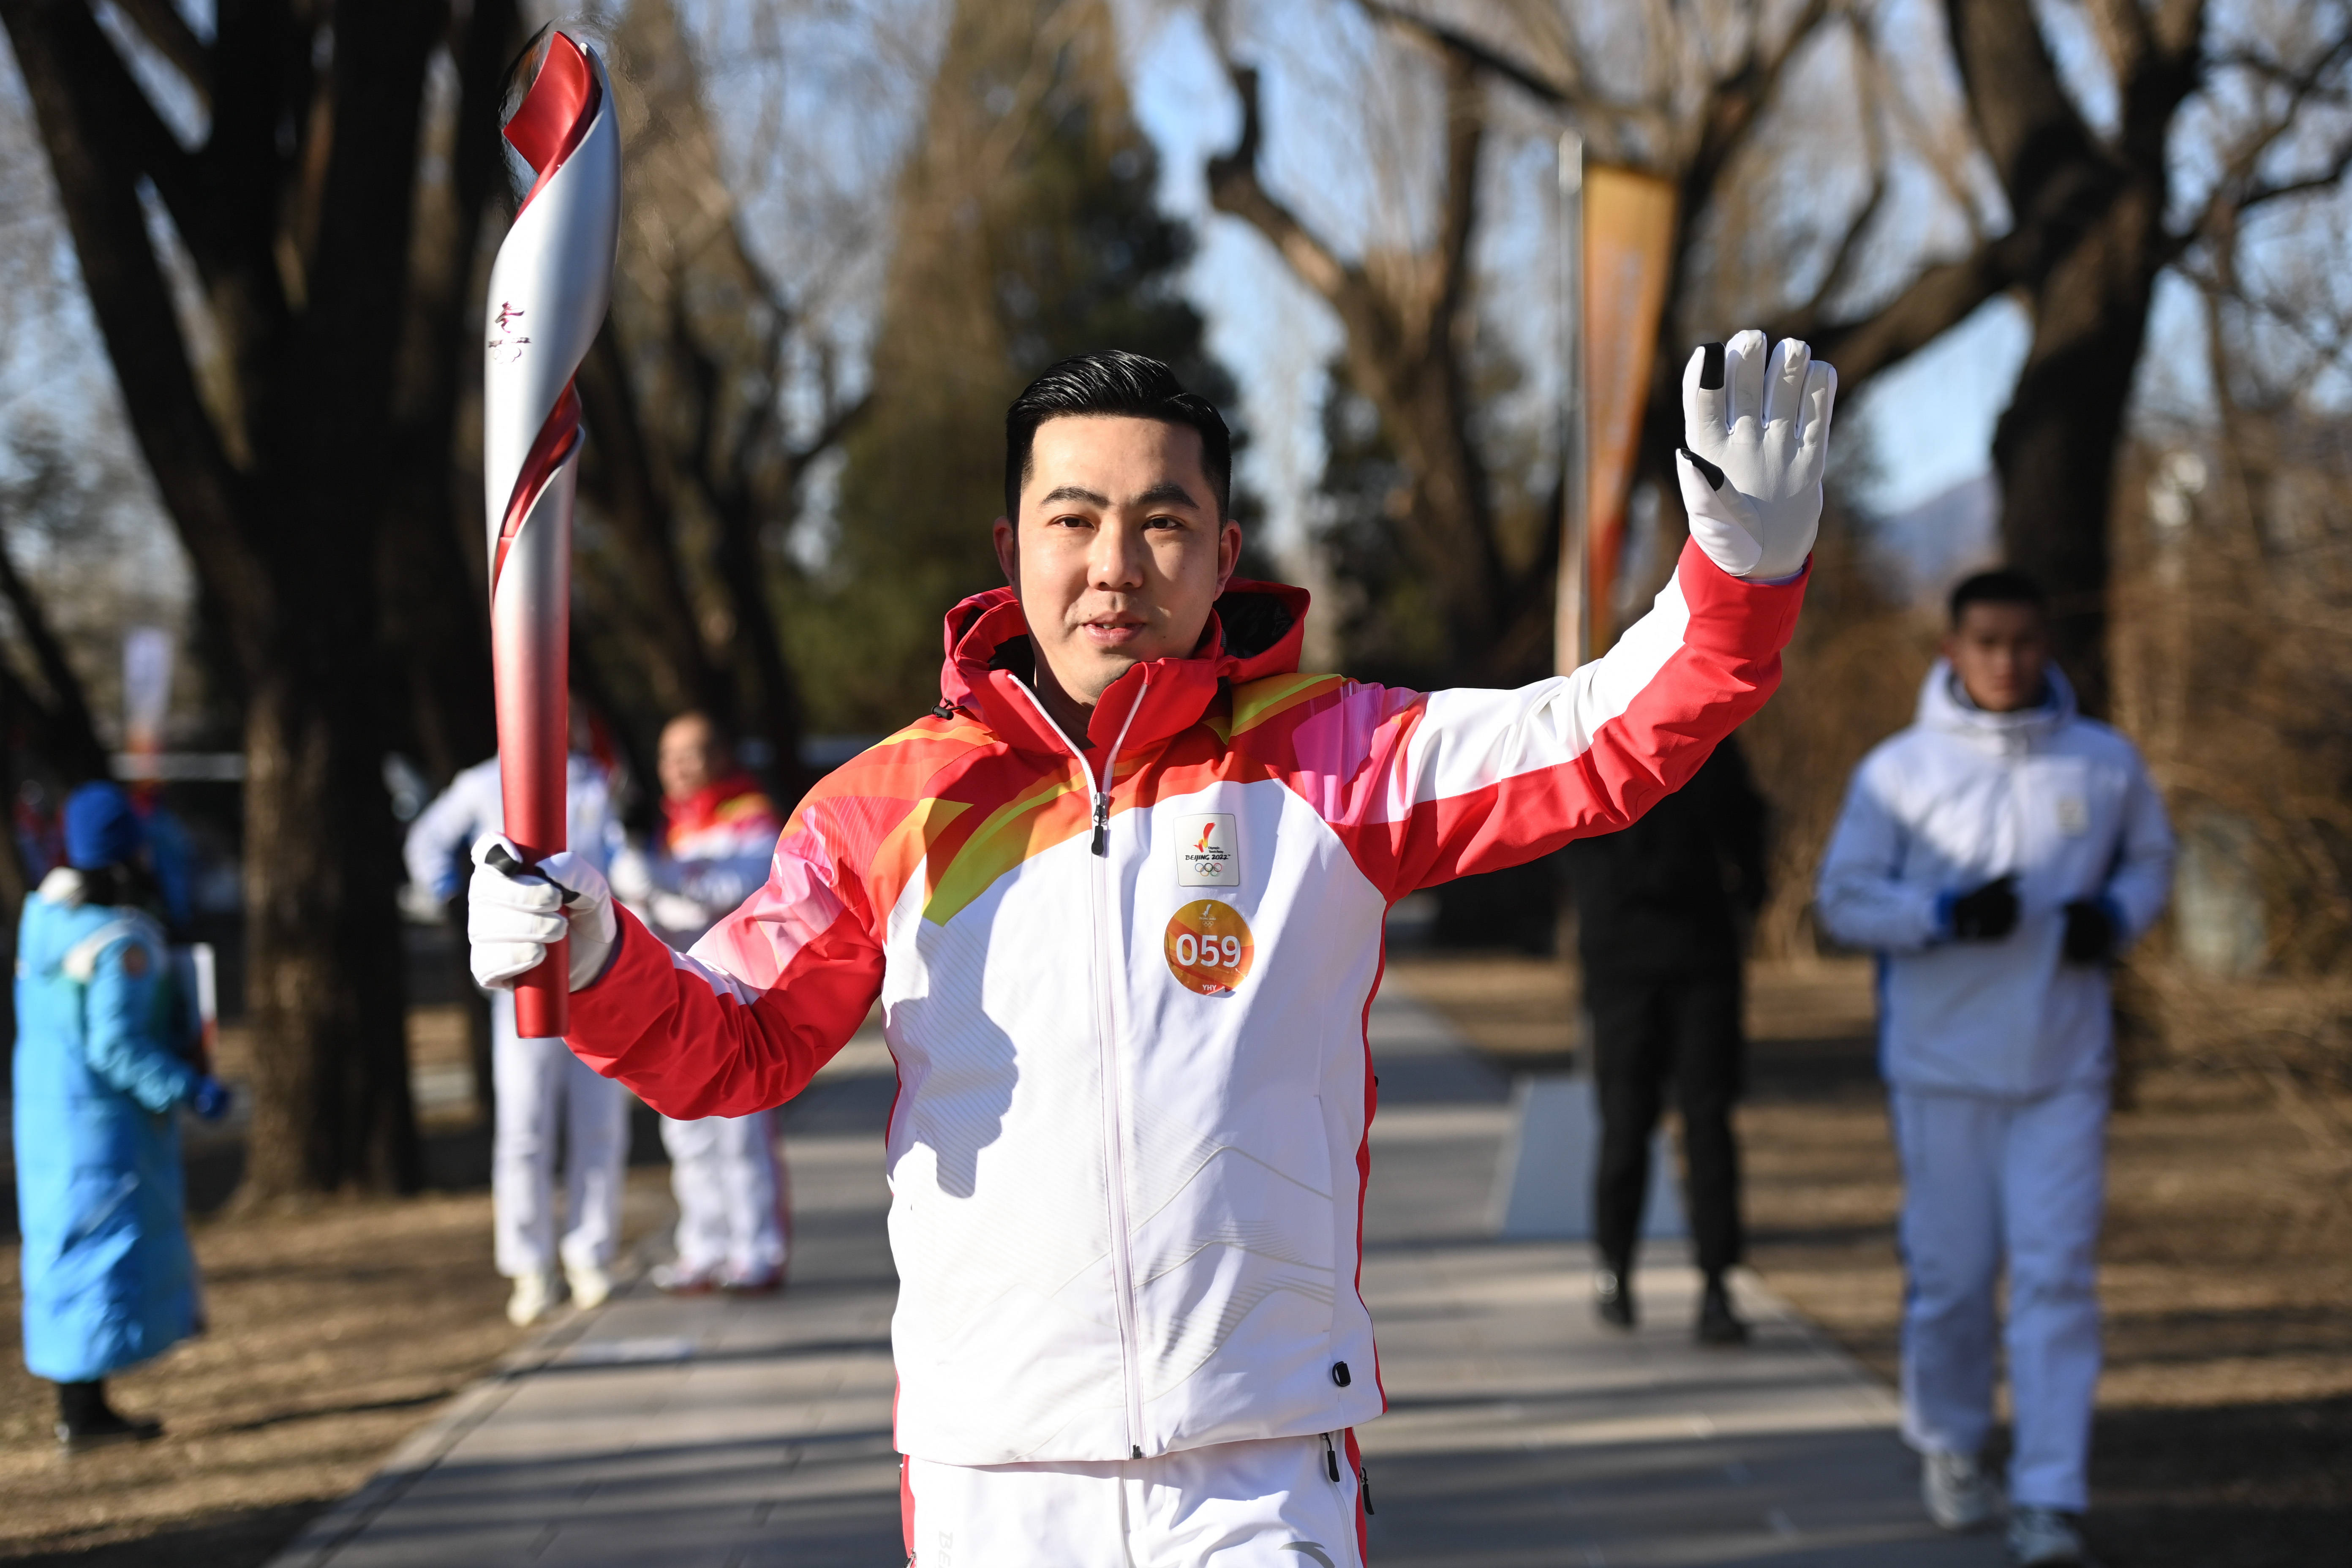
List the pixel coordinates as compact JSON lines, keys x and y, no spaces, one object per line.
{"x":726,"y":1432}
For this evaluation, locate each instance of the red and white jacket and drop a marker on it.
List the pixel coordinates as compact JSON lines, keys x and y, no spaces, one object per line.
{"x":1127,"y":990}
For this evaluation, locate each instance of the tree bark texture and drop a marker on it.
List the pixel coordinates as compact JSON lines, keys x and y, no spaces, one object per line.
{"x":2087,"y":238}
{"x":283,"y":494}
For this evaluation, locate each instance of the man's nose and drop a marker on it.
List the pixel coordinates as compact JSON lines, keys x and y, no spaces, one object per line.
{"x":1117,"y":559}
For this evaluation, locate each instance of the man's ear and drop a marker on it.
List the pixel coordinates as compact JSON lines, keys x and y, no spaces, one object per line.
{"x":1008,"y":553}
{"x":1229,"y":552}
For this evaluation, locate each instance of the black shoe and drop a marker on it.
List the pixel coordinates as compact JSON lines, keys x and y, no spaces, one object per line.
{"x":1612,"y":1297}
{"x":1718,"y":1323}
{"x":104,"y":1430}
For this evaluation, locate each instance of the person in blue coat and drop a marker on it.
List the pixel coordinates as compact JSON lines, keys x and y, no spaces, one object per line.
{"x":104,"y":1058}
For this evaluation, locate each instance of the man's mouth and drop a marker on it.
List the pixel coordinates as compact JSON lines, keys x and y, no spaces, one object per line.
{"x":1111,"y":631}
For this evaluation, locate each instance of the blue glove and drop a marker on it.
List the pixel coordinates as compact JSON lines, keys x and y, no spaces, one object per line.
{"x":209,"y":1099}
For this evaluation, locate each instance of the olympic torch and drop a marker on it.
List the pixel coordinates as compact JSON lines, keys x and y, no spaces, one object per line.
{"x":549,"y":289}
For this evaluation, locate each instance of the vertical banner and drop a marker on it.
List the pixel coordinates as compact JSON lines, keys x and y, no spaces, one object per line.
{"x":1572,"y":609}
{"x":146,"y":701}
{"x":1627,"y":221}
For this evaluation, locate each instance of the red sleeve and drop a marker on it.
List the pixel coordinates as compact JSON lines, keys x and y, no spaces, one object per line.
{"x":693,"y":1038}
{"x":1466,"y":780}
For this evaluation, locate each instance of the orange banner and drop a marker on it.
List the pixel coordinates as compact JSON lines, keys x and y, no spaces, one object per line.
{"x":1629,"y":232}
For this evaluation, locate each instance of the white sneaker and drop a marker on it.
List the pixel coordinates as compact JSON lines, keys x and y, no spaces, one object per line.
{"x":534,"y":1293}
{"x":2044,"y":1538}
{"x":1954,"y":1488}
{"x":591,"y":1286}
{"x":675,"y":1279}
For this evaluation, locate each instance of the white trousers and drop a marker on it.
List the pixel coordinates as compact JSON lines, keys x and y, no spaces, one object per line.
{"x":1266,"y":1504}
{"x":1987,"y":1181}
{"x":542,"y":1086}
{"x":733,"y":1207}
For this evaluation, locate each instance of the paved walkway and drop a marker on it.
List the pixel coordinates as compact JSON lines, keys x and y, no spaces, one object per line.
{"x":730,"y":1434}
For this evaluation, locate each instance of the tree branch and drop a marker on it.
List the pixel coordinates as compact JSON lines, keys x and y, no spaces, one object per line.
{"x":2030,"y":129}
{"x":73,"y":737}
{"x":97,"y":187}
{"x":161,"y":22}
{"x":2124,"y":35}
{"x":1465,"y":136}
{"x":637,"y":505}
{"x":1454,"y":41}
{"x":1734,"y":105}
{"x":1936,"y":300}
{"x":1850,"y":244}
{"x":1234,"y":188}
{"x":2237,"y":191}
{"x":119,"y":112}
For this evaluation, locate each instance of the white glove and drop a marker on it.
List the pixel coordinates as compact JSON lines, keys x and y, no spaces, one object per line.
{"x":631,"y":877}
{"x":1754,"y":438}
{"x":513,"y":911}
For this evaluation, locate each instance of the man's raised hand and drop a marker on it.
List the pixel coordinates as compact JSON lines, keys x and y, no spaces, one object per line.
{"x":514,"y":911}
{"x":1756,"y":429}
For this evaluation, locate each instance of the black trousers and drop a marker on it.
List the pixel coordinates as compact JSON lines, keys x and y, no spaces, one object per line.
{"x":1648,"y":1029}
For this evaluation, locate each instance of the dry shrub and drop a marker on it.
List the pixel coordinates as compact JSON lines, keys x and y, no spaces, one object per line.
{"x":2234,"y":660}
{"x":1852,"y":679}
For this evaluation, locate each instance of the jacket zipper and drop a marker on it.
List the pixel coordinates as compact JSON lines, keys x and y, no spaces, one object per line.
{"x":1123,"y":1264}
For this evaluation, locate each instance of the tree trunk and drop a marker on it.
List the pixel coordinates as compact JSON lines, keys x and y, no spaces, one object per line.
{"x":331,"y":1103}
{"x":772,"y":709}
{"x":432,"y":572}
{"x":630,"y":490}
{"x":2055,"y":445}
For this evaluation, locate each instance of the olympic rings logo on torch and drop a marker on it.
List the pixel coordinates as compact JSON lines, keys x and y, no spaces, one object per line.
{"x":548,"y":291}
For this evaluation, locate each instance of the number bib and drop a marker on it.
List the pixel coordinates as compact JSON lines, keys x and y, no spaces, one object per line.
{"x":1209,"y":947}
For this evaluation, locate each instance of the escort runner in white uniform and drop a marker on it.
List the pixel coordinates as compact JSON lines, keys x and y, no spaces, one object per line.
{"x":540,"y":1086}
{"x":1120,"y":897}
{"x":1998,"y":853}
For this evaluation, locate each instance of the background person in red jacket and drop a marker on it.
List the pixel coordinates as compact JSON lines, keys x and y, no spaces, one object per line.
{"x":717,"y":836}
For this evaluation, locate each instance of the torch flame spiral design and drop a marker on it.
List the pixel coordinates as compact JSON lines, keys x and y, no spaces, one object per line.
{"x":549,"y":289}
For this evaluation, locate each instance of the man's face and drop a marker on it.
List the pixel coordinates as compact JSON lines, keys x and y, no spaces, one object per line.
{"x":2000,"y":653}
{"x":691,"y":758}
{"x":1119,"y":553}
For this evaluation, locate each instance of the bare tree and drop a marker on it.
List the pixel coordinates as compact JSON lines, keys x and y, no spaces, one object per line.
{"x":697,"y":376}
{"x":253,"y":281}
{"x":2075,"y":213}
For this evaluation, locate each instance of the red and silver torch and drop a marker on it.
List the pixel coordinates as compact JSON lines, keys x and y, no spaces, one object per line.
{"x":549,"y":289}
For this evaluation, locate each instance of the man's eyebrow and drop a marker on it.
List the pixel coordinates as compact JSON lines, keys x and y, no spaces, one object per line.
{"x":1165,"y":492}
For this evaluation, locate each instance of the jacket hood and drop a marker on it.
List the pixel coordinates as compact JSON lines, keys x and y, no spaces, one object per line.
{"x":1944,"y":705}
{"x":1255,"y":630}
{"x":55,"y":918}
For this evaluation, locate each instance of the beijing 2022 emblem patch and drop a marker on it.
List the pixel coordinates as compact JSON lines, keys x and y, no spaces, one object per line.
{"x":1208,"y":850}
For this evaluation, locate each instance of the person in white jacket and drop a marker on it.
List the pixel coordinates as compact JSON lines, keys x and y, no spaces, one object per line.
{"x":711,"y":852}
{"x":541,"y":1084}
{"x":1997,"y":855}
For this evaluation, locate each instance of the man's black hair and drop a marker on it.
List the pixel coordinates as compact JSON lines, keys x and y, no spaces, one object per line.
{"x":1116,"y":383}
{"x":2001,"y":586}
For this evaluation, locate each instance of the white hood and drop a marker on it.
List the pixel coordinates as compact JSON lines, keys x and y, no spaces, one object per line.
{"x":1944,"y":705}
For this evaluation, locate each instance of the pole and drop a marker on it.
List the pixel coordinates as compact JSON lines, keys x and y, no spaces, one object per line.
{"x":1573,"y":621}
{"x":549,"y":289}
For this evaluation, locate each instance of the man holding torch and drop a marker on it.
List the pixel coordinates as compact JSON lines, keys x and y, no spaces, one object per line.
{"x":1120,"y":897}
